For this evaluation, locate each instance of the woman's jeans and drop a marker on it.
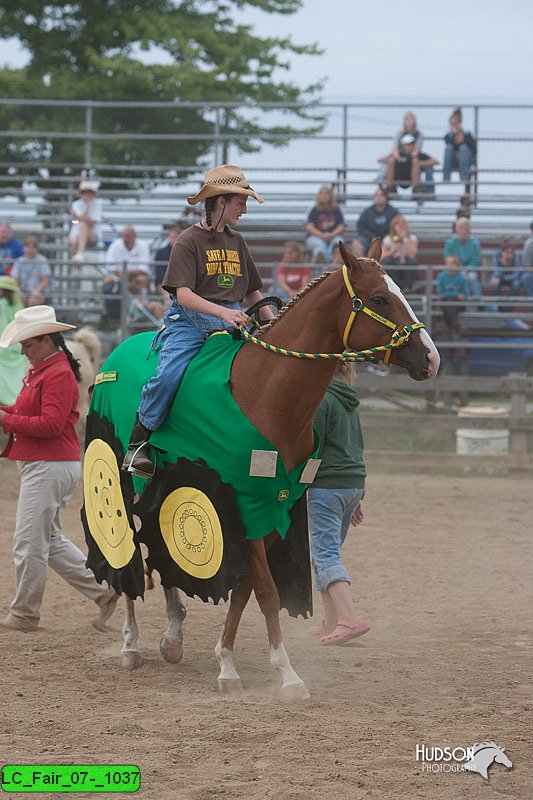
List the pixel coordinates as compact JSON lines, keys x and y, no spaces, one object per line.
{"x":317,"y":246}
{"x":460,"y":159}
{"x":329,"y":514}
{"x":183,"y":335}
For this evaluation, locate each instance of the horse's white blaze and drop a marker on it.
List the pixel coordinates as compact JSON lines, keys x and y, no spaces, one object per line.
{"x":225,"y":660}
{"x":433,"y":353}
{"x":280,"y":660}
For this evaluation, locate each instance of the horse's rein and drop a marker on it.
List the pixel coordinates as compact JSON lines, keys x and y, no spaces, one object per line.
{"x":399,"y":338}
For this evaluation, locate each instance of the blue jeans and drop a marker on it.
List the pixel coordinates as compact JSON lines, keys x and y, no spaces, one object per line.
{"x":460,"y":159}
{"x":329,"y":512}
{"x":317,"y":246}
{"x":527,"y":283}
{"x":182,"y":337}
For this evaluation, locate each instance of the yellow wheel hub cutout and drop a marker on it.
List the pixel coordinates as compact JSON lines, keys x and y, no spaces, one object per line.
{"x":104,"y":505}
{"x":192,"y":532}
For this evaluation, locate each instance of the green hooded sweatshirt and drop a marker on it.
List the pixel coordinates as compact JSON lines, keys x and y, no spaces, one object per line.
{"x":341,"y":440}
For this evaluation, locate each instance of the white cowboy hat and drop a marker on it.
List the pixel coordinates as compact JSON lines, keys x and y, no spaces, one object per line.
{"x":88,"y":186}
{"x":226,"y":179}
{"x":30,"y":322}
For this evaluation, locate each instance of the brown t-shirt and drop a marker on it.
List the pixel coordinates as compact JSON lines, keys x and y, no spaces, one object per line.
{"x":217,"y":267}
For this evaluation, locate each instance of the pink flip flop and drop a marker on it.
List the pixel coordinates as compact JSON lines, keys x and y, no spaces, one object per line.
{"x":349,"y":631}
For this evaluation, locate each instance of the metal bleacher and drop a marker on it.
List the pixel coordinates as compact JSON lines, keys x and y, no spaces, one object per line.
{"x":35,"y":199}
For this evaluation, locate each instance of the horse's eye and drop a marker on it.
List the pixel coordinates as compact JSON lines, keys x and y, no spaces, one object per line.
{"x":378,"y":300}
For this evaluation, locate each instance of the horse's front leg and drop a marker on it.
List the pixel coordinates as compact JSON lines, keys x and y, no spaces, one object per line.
{"x":228,"y":679}
{"x":131,"y":658}
{"x":171,"y":645}
{"x":292,"y":686}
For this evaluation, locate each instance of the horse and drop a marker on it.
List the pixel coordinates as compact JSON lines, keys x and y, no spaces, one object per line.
{"x":485,"y":753}
{"x":86,"y":347}
{"x":278,"y":390}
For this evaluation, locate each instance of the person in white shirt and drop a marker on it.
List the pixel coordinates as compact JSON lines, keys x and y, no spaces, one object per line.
{"x":128,"y":252}
{"x":86,"y":213}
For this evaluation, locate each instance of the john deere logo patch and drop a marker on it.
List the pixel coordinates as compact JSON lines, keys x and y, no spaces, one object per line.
{"x":283,"y":495}
{"x":225,"y":281}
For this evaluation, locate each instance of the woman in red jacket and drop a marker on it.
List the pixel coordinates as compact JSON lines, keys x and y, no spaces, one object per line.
{"x":44,"y":443}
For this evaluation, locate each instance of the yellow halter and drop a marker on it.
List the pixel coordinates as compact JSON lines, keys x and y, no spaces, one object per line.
{"x":400,"y":333}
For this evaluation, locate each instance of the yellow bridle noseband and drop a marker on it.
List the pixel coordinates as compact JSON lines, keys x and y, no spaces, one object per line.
{"x":400,"y":333}
{"x":399,"y":338}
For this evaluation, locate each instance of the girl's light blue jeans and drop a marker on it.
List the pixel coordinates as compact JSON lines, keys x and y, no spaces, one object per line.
{"x":183,"y":335}
{"x":329,"y":513}
{"x":317,"y":246}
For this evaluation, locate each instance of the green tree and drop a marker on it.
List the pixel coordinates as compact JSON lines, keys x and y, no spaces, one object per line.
{"x":91,"y":49}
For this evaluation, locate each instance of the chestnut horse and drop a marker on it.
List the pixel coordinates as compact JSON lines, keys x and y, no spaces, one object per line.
{"x":356,"y":308}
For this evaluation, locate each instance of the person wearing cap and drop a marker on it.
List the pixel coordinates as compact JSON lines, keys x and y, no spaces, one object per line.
{"x":406,"y":169}
{"x":13,"y":365}
{"x":211,"y":272}
{"x":86,"y":213}
{"x":44,"y":443}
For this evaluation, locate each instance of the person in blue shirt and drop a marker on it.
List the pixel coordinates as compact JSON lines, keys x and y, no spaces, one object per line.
{"x":10,"y":248}
{"x":452,"y":286}
{"x":374,"y":221}
{"x":468,"y":250}
{"x":506,"y":276}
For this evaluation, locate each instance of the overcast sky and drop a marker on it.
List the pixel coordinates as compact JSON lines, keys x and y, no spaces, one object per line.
{"x":457,"y":51}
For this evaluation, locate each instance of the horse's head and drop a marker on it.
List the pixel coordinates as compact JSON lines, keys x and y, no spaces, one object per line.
{"x":381,"y":312}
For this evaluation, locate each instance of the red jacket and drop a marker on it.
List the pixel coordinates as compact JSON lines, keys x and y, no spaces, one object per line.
{"x":42,"y":420}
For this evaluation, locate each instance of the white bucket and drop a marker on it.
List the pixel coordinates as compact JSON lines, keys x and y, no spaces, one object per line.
{"x":482,"y":441}
{"x":479,"y":442}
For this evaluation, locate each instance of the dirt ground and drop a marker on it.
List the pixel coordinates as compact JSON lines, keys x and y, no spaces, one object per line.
{"x":442,"y":569}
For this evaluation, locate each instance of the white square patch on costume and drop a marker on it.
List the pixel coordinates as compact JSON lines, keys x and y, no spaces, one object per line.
{"x":310,"y":470}
{"x":263,"y":463}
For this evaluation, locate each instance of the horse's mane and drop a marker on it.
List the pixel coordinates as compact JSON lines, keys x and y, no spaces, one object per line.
{"x":293,"y":301}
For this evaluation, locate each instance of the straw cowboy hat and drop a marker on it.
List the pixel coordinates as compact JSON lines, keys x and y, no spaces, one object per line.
{"x":88,"y":186}
{"x":226,"y":179}
{"x":30,"y":322}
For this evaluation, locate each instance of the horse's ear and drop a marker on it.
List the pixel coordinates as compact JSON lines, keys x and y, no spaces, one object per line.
{"x":344,"y":253}
{"x":374,"y":251}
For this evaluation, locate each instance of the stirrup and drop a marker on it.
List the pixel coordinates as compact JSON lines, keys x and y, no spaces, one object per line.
{"x":140,"y":473}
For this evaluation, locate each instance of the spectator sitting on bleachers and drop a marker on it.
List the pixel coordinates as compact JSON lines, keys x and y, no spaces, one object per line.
{"x":128,"y":253}
{"x":140,"y":302}
{"x":461,"y":149}
{"x":527,"y":264}
{"x":400,"y":248}
{"x":506,"y":276}
{"x":325,"y":224}
{"x":374,"y":221}
{"x":32,"y":273}
{"x":293,"y":275}
{"x":86,"y":213}
{"x":405,"y":169}
{"x":452,"y":286}
{"x":468,"y":251}
{"x":10,"y":248}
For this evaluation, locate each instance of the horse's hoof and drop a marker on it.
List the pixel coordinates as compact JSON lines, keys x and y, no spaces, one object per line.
{"x":131,"y":660}
{"x":295,"y":691}
{"x":229,"y":685}
{"x":171,"y":651}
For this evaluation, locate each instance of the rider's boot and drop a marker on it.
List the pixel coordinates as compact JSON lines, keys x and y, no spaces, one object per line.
{"x":136,"y":459}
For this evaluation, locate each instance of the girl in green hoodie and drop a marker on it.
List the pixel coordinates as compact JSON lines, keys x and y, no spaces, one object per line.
{"x":334,"y":502}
